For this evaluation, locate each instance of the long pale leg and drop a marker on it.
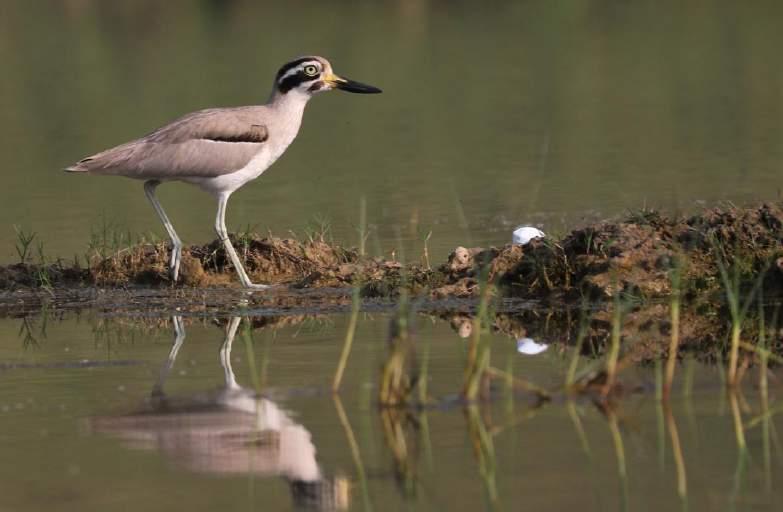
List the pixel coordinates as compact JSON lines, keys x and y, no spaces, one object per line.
{"x":179,"y":338}
{"x":222,"y":233}
{"x":176,"y":243}
{"x":225,"y":353}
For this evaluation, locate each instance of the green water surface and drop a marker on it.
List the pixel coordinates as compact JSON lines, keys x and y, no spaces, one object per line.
{"x":492,"y":114}
{"x":89,"y":426}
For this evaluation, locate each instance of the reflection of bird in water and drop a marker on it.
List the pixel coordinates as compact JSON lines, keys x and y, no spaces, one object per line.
{"x":230,"y":431}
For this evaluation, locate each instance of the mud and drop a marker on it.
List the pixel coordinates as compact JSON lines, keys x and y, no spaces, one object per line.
{"x":634,"y":257}
{"x":645,"y":331}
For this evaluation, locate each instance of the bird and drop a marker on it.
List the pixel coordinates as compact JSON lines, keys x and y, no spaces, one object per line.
{"x":228,"y":431}
{"x":221,"y":149}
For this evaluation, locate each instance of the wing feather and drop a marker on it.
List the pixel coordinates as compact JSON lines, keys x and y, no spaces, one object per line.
{"x":207,"y":143}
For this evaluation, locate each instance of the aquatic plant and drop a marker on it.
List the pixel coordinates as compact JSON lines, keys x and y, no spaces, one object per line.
{"x":350,"y":332}
{"x":425,"y":256}
{"x":362,"y":229}
{"x":674,"y":306}
{"x":401,"y":436}
{"x":479,"y":351}
{"x":614,"y":350}
{"x":356,"y":453}
{"x":319,"y":230}
{"x":24,"y":240}
{"x":679,"y":460}
{"x":396,"y":383}
{"x":484,"y":451}
{"x":731,"y":278}
{"x":576,"y":352}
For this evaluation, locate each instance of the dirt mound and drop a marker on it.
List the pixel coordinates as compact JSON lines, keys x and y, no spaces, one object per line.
{"x":267,"y":260}
{"x":637,"y":255}
{"x":634,"y":256}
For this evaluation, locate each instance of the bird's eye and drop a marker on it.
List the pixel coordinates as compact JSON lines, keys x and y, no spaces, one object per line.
{"x":311,"y":70}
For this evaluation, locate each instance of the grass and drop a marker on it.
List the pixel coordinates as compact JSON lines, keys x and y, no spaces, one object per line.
{"x":675,"y":275}
{"x":738,"y":310}
{"x":425,"y":256}
{"x":484,"y":451}
{"x":356,"y":453}
{"x":356,"y":302}
{"x":479,"y":350}
{"x":108,"y":240}
{"x":24,"y":241}
{"x":257,"y":377}
{"x":619,"y":451}
{"x":319,"y":230}
{"x":576,"y":353}
{"x":396,"y":424}
{"x":396,"y":385}
{"x":362,"y":229}
{"x":679,"y":460}
{"x":614,"y":350}
{"x":25,"y":244}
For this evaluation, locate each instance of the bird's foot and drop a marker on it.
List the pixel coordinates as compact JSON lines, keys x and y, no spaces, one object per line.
{"x":257,"y":286}
{"x":174,"y":274}
{"x":174,"y":263}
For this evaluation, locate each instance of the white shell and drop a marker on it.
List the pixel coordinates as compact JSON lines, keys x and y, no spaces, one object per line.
{"x":524,"y":234}
{"x":529,"y":347}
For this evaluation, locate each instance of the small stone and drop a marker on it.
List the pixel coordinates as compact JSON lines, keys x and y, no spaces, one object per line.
{"x":524,"y":234}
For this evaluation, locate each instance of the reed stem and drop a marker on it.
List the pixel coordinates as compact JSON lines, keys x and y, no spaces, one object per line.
{"x":348,"y":343}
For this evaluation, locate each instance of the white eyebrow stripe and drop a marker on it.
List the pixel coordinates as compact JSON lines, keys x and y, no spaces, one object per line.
{"x":299,"y":68}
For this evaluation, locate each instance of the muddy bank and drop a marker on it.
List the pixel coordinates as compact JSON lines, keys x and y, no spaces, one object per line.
{"x":634,"y":256}
{"x":644,"y":330}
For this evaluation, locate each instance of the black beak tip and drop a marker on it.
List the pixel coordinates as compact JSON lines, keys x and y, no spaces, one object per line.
{"x":357,"y":87}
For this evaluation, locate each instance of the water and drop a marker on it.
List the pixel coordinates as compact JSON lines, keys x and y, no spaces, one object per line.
{"x":544,"y":113}
{"x":532,"y":112}
{"x":129,"y":430}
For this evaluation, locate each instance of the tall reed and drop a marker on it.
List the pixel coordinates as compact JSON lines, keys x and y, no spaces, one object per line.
{"x":614,"y":350}
{"x":674,"y":338}
{"x":479,"y":350}
{"x":737,"y":310}
{"x":396,"y":385}
{"x":356,"y":302}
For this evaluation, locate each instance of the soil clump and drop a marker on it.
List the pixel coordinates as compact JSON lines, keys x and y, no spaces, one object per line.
{"x":634,"y":257}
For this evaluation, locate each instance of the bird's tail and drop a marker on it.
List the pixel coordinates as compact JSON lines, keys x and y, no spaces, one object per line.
{"x":77,"y":167}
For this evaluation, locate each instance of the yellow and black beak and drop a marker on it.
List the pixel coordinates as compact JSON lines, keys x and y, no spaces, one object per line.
{"x":345,"y":84}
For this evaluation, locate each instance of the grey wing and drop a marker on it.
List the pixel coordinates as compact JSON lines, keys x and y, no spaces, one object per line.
{"x":207,"y":143}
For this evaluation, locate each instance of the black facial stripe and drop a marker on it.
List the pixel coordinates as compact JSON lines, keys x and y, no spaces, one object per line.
{"x":291,"y":65}
{"x":294,"y":81}
{"x":316,"y":86}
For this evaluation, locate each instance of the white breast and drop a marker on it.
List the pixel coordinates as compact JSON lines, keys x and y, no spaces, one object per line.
{"x":269,"y":153}
{"x":283,"y":122}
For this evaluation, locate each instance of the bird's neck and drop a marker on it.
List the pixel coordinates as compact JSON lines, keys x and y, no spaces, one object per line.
{"x":290,"y":104}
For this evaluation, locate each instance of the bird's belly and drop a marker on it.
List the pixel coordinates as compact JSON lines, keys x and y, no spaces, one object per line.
{"x":231,"y":182}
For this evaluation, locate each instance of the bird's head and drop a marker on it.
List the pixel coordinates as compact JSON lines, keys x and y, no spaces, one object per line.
{"x":311,"y":75}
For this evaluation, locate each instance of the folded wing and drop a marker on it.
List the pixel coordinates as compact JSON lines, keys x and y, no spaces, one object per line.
{"x":207,"y":143}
